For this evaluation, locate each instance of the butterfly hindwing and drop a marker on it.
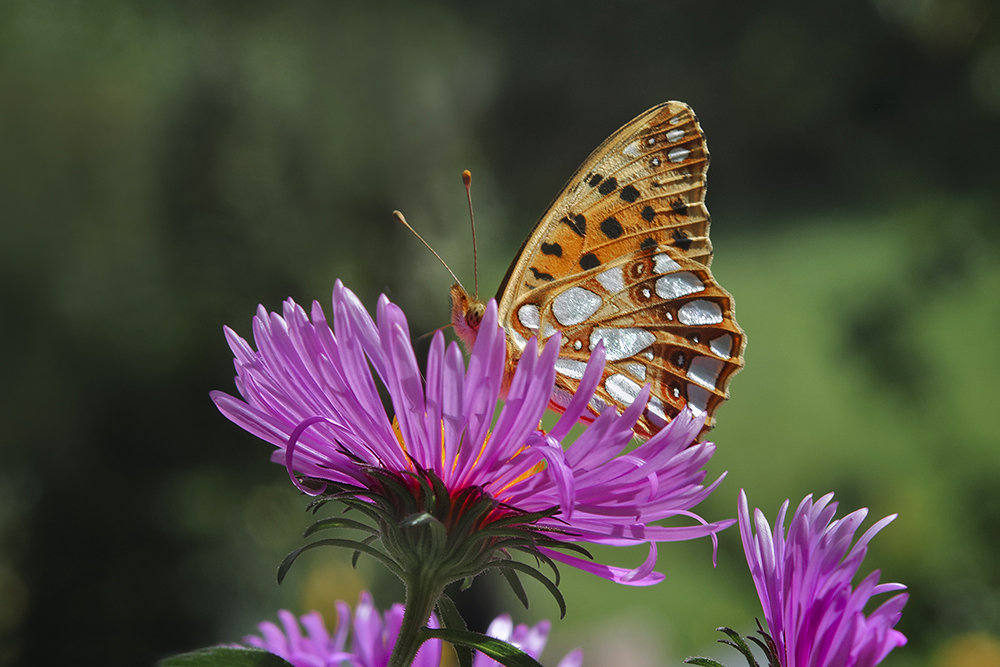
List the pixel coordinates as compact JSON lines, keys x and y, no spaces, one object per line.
{"x":622,"y":256}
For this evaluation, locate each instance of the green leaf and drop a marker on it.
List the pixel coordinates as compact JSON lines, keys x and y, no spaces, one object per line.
{"x":502,"y":652}
{"x":703,"y":662}
{"x":225,"y":657}
{"x":448,"y":613}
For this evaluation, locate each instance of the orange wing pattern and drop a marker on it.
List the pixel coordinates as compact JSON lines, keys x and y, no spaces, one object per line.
{"x":622,"y":256}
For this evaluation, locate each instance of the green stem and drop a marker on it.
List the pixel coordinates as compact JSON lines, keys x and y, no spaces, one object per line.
{"x":422,"y":593}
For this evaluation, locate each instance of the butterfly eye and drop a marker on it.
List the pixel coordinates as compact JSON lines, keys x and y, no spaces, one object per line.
{"x":474,"y":315}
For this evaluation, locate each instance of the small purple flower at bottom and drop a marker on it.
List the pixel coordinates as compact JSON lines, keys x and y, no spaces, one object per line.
{"x":814,"y":617}
{"x":531,"y":640}
{"x":374,"y":636}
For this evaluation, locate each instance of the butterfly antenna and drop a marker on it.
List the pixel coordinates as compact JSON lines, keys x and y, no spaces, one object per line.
{"x":431,"y":333}
{"x":467,"y":179}
{"x":401,"y":220}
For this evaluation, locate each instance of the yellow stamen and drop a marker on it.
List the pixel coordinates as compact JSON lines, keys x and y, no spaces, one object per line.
{"x":538,"y":467}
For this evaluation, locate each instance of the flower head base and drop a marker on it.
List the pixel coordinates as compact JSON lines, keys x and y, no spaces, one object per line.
{"x":814,"y":617}
{"x":309,"y":390}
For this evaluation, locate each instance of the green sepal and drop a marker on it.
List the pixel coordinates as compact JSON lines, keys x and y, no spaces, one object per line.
{"x":338,"y":522}
{"x":515,"y":585}
{"x":763,"y":647}
{"x":418,"y":519}
{"x":452,"y":619}
{"x":336,"y":542}
{"x":346,"y":492}
{"x":770,"y":649}
{"x":703,"y":662}
{"x":357,"y":554}
{"x":527,"y":517}
{"x":225,"y":657}
{"x":502,"y":652}
{"x":737,"y":643}
{"x":535,"y":574}
{"x":570,"y":546}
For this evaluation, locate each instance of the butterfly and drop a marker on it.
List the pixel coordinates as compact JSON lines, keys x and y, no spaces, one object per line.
{"x":622,"y":256}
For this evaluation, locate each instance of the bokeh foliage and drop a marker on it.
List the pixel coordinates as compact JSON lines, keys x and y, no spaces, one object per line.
{"x":164,"y":167}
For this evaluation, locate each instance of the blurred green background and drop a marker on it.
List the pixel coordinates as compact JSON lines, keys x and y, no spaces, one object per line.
{"x":165,"y":167}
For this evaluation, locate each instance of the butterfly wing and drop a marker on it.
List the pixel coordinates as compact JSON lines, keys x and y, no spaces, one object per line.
{"x":622,"y":256}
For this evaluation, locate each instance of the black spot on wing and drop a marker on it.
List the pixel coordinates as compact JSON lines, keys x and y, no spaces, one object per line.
{"x":608,"y":186}
{"x":648,"y":243}
{"x":611,"y":228}
{"x":648,"y":214}
{"x":681,"y":239}
{"x":679,"y":207}
{"x":577,"y":223}
{"x":552,"y":249}
{"x":594,"y":180}
{"x":629,"y":193}
{"x":589,"y":261}
{"x":539,"y":275}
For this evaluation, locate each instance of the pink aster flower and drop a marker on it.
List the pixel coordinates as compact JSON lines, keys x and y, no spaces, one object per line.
{"x":310,"y":391}
{"x":373,"y":637}
{"x":450,"y":492}
{"x":531,"y":640}
{"x":814,"y":617}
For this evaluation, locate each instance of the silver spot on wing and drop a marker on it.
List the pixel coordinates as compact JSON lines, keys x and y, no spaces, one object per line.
{"x":655,"y":412}
{"x":697,"y":399}
{"x":621,"y":343}
{"x":722,"y":346}
{"x":622,"y":389}
{"x":612,"y":280}
{"x":517,"y":338}
{"x":570,"y":368}
{"x":575,"y":305}
{"x":705,"y":371}
{"x":678,"y":154}
{"x":528,"y":315}
{"x":677,"y":285}
{"x":700,"y":312}
{"x":663,"y":264}
{"x":636,"y":370}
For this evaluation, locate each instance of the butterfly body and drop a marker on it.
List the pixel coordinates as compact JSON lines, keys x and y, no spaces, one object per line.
{"x":622,"y":256}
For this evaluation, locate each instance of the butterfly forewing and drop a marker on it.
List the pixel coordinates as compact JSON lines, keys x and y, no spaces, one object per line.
{"x":622,"y":257}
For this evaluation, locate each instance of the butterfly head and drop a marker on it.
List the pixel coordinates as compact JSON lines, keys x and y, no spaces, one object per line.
{"x":466,"y":315}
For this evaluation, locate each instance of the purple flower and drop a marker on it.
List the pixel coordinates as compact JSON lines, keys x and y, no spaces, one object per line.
{"x":372,"y":639}
{"x":530,"y":640}
{"x":804,"y":582}
{"x":310,"y":391}
{"x":374,"y":636}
